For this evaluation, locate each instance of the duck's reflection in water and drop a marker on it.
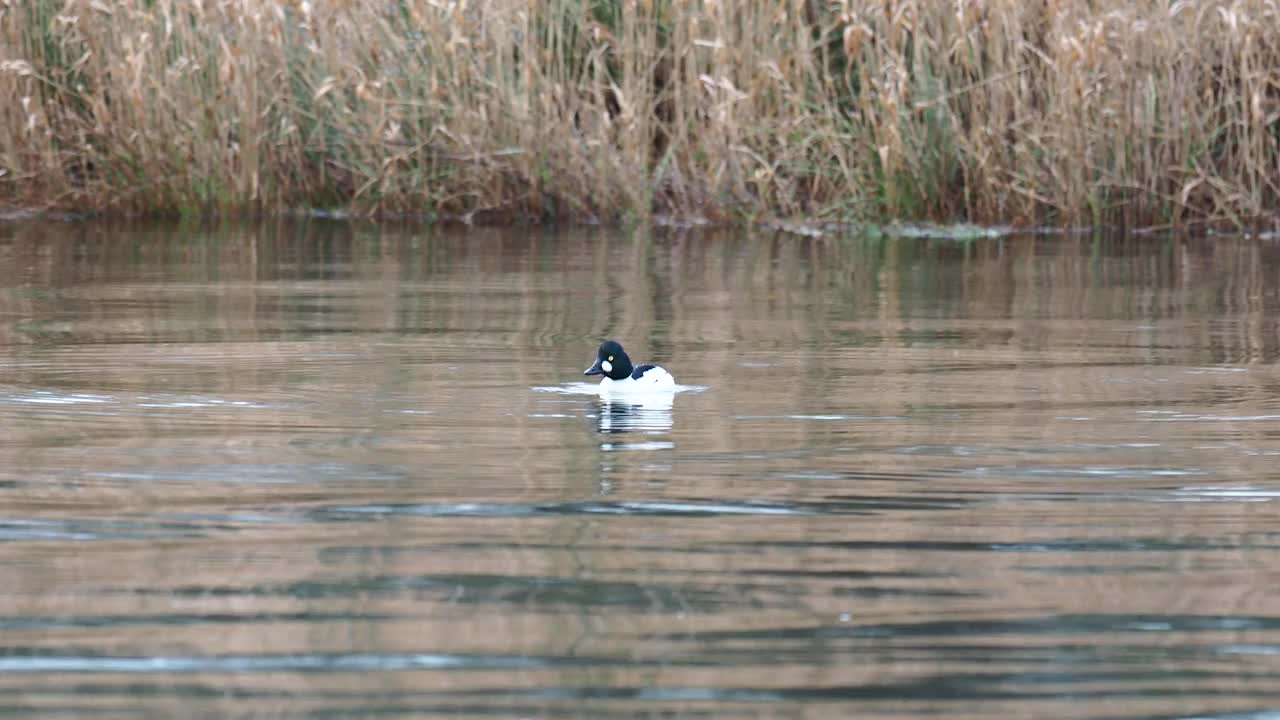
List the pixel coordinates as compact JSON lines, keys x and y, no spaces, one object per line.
{"x":648,"y":413}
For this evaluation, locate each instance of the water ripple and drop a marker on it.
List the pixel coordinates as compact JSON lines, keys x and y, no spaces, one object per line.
{"x":569,"y":508}
{"x":15,"y":661}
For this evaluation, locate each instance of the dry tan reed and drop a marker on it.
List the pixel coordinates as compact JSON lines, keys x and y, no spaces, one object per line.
{"x":993,"y":111}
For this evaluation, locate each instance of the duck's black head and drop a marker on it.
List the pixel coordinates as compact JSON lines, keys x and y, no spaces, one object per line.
{"x":611,"y":362}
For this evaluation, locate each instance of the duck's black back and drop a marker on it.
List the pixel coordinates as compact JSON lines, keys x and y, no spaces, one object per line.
{"x":641,"y":370}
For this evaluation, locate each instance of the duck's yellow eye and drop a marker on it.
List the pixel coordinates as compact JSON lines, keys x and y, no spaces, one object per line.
{"x":610,"y":358}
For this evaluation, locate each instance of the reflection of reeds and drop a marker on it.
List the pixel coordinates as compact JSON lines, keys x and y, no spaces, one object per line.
{"x":1001,"y":110}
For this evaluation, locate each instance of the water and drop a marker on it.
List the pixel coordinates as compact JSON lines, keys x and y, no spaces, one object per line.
{"x":319,"y":471}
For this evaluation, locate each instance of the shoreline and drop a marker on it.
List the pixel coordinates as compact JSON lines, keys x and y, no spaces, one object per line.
{"x":805,"y":229}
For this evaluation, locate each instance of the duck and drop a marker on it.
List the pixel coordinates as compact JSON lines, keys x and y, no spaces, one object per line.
{"x":620,"y":375}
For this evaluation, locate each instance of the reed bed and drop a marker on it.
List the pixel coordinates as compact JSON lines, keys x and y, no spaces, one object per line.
{"x":1050,"y":111}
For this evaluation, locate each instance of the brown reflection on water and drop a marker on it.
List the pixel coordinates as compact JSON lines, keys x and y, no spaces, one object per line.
{"x":304,"y":469}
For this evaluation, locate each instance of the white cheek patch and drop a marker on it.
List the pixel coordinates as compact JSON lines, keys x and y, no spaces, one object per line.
{"x":606,"y":366}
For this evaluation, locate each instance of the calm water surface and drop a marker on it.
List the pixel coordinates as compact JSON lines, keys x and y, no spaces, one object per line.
{"x":320,"y":471}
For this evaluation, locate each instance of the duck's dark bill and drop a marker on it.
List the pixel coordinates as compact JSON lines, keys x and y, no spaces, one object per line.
{"x":595,"y":369}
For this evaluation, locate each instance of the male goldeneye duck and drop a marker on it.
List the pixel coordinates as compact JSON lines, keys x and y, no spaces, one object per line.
{"x":619,"y":374}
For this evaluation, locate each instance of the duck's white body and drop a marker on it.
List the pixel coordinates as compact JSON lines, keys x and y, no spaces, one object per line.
{"x":651,"y":377}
